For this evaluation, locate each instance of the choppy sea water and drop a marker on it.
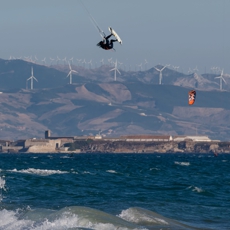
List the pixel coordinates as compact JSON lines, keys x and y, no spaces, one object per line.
{"x":114,"y":191}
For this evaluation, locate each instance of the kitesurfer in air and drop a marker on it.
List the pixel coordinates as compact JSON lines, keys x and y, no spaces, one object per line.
{"x":107,"y":44}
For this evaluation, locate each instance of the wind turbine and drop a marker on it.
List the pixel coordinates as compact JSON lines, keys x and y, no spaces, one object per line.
{"x":44,"y":61}
{"x":110,"y":61}
{"x":35,"y":58}
{"x":51,"y":60}
{"x":58,"y":59}
{"x":84,"y":62}
{"x":195,"y":69}
{"x":90,"y":64}
{"x":160,"y":72}
{"x":64,"y":60}
{"x":71,"y":60}
{"x":221,"y":79}
{"x":102,"y":61}
{"x":115,"y":70}
{"x":140,"y":66}
{"x":32,"y":78}
{"x":176,"y":68}
{"x":189,"y":70}
{"x":70,"y":74}
{"x":146,"y":62}
{"x":120,"y":63}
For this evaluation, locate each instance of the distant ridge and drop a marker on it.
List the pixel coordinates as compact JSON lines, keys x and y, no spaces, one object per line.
{"x":134,"y":104}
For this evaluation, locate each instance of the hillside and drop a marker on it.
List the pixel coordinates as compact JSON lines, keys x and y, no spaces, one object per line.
{"x":94,"y":103}
{"x":114,"y":109}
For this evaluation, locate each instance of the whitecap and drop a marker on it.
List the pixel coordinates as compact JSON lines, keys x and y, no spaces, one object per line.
{"x":2,"y":187}
{"x":87,"y":172}
{"x":9,"y":221}
{"x":197,"y":189}
{"x":135,"y":215}
{"x":111,"y":171}
{"x":67,"y":218}
{"x":2,"y":183}
{"x":182,"y":163}
{"x":157,"y":169}
{"x":41,"y":172}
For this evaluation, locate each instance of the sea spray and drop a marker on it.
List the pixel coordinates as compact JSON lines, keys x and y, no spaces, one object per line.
{"x":2,"y":187}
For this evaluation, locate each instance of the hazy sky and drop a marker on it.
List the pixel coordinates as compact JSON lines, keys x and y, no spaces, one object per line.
{"x":185,"y":33}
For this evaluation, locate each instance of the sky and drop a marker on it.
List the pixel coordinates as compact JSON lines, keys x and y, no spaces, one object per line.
{"x":183,"y":33}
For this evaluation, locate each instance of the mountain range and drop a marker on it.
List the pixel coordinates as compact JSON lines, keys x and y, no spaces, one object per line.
{"x":94,"y":103}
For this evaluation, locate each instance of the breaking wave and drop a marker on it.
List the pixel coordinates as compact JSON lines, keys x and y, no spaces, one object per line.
{"x":78,"y":217}
{"x":182,"y":163}
{"x":2,"y":187}
{"x":41,"y":172}
{"x":111,"y":171}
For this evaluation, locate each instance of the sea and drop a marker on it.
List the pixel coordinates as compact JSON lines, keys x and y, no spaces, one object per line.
{"x":114,"y":191}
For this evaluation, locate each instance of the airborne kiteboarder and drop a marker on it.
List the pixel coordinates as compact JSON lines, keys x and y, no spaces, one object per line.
{"x":105,"y":43}
{"x":108,"y":44}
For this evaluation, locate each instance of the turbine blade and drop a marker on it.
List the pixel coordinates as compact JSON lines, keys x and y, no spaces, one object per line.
{"x":68,"y":74}
{"x":163,"y":68}
{"x":35,"y":78}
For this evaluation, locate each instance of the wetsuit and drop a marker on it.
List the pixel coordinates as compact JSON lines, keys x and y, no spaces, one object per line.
{"x":106,"y":43}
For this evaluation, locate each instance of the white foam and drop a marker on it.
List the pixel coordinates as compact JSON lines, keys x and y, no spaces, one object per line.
{"x":41,"y":172}
{"x":63,"y":222}
{"x":87,"y":172}
{"x":196,"y":189}
{"x":157,"y":169}
{"x":111,"y":171}
{"x":182,"y":163}
{"x":135,"y":216}
{"x":2,"y":187}
{"x":65,"y":157}
{"x":9,"y":221}
{"x":2,"y":183}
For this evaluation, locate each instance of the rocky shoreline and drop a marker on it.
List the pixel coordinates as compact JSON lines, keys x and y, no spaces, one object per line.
{"x":101,"y":146}
{"x":124,"y":146}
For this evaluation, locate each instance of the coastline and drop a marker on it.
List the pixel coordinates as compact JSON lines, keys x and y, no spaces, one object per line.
{"x":138,"y":147}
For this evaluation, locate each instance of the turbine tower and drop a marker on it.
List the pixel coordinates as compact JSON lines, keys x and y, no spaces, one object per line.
{"x":71,"y":60}
{"x":160,"y":72}
{"x":32,"y":78}
{"x":146,"y":62}
{"x":115,"y":70}
{"x":44,"y":61}
{"x":102,"y":62}
{"x":221,"y":79}
{"x":51,"y":60}
{"x":58,"y":59}
{"x":70,"y":74}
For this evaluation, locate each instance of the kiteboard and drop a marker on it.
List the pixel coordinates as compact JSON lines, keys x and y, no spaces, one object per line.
{"x":113,"y":32}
